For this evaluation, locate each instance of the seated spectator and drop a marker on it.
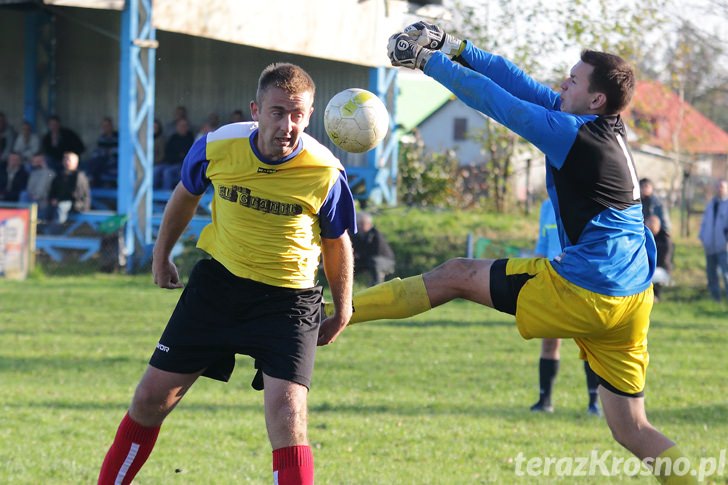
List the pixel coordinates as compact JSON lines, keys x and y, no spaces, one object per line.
{"x":665,"y":251}
{"x":159,"y":142}
{"x":211,"y":124}
{"x":180,"y":113}
{"x":70,"y":190}
{"x":58,"y":141}
{"x":372,"y":254}
{"x":7,"y":138}
{"x":237,"y":116}
{"x":13,"y":178}
{"x":102,"y":167}
{"x":27,"y":143}
{"x":167,"y":174}
{"x":39,"y":185}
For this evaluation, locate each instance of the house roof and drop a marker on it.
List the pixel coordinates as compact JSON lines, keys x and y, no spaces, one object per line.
{"x":654,"y":116}
{"x":419,"y":97}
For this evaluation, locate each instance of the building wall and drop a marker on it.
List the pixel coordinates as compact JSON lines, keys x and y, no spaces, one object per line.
{"x":438,"y":132}
{"x":204,"y":75}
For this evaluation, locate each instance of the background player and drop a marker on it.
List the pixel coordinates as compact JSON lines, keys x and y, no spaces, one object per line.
{"x":281,"y":199}
{"x":549,"y":246}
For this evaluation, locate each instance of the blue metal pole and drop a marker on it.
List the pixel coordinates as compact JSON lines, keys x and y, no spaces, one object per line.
{"x":30,"y":68}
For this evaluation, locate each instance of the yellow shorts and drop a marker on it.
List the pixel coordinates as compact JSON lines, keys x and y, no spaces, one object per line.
{"x":611,"y":331}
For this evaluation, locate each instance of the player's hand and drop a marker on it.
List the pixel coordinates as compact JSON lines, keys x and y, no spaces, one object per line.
{"x":432,"y":37}
{"x":403,"y":51}
{"x":165,"y":274}
{"x":332,"y":327}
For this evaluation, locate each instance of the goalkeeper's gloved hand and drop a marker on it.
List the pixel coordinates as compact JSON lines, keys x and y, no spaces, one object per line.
{"x":403,"y":51}
{"x":434,"y":38}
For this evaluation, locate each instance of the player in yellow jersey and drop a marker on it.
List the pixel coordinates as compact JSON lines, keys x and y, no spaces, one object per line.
{"x":281,"y":201}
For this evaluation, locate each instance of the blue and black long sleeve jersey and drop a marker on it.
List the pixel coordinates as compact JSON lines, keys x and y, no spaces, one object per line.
{"x":590,"y":175}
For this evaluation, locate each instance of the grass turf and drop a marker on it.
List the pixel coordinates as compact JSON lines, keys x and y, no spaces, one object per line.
{"x":440,"y":398}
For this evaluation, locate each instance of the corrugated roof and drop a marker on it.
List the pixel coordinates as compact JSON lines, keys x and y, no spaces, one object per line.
{"x":654,"y":116}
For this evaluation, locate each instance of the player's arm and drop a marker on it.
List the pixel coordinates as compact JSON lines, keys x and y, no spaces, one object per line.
{"x":503,"y":72}
{"x":510,"y":77}
{"x":338,"y":260}
{"x":179,"y":211}
{"x":337,"y":219}
{"x":553,"y":132}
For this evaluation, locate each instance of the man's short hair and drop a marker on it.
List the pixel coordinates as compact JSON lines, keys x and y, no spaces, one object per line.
{"x":612,"y":76}
{"x":288,"y":77}
{"x":645,"y":181}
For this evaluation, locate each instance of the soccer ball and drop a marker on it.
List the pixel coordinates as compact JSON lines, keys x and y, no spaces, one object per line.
{"x":356,"y":120}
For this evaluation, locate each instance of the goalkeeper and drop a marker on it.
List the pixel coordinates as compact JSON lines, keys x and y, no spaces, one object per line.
{"x":598,"y":292}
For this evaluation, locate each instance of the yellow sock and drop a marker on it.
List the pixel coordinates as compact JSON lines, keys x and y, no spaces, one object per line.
{"x":391,"y":300}
{"x":664,"y":468}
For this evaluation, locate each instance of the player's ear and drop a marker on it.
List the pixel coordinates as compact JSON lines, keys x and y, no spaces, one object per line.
{"x":254,"y":110}
{"x":598,"y":101}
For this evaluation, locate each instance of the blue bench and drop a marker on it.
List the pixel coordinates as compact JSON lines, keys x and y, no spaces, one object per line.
{"x":105,"y":199}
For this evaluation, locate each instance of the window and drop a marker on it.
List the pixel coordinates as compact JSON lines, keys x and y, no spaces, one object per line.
{"x":460,"y":129}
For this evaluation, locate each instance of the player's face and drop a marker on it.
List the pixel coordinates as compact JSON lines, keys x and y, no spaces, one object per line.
{"x":575,"y":95}
{"x":281,"y":118}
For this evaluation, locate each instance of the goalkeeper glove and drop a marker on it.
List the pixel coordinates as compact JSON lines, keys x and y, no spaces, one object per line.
{"x":433,"y":37}
{"x":403,"y":51}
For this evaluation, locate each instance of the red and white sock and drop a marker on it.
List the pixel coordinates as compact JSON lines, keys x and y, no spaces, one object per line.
{"x":131,"y":447}
{"x":293,"y":466}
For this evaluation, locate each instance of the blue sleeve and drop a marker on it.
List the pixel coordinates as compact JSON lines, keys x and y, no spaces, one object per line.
{"x":337,"y":213}
{"x":511,"y":78}
{"x":194,"y":167}
{"x":553,"y":132}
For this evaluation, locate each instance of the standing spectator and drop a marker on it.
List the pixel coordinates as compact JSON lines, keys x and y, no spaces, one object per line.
{"x":39,"y":184}
{"x":656,"y":217}
{"x":27,"y":143}
{"x":372,"y":253}
{"x":665,"y":250}
{"x":70,"y":190}
{"x":549,"y":246}
{"x":13,"y":178}
{"x":167,"y":174}
{"x":714,"y":236}
{"x":58,"y":141}
{"x":7,"y":138}
{"x":102,"y":167}
{"x":159,"y":142}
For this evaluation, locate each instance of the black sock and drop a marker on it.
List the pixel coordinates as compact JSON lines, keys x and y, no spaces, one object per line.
{"x":547,"y":370}
{"x":592,"y":382}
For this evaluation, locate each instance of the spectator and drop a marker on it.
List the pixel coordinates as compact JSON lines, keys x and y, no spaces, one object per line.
{"x":652,"y":205}
{"x":7,"y":138}
{"x":39,"y":184}
{"x":159,"y":142}
{"x":237,"y":116}
{"x":102,"y":167}
{"x":70,"y":190}
{"x":372,"y":253}
{"x":211,"y":124}
{"x":180,"y":113}
{"x":714,"y":236}
{"x":665,"y":250}
{"x":167,"y":174}
{"x":13,"y":178}
{"x":27,"y":143}
{"x":58,"y":141}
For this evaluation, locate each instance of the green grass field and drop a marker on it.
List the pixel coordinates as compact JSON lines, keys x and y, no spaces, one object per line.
{"x":440,"y":398}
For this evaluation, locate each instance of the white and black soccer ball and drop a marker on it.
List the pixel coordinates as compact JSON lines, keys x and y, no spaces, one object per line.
{"x":356,"y":120}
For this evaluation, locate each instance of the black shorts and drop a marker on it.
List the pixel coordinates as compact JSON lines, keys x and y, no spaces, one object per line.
{"x":219,"y":315}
